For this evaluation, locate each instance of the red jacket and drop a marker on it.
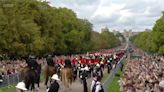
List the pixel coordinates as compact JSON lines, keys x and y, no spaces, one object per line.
{"x":96,"y":60}
{"x":61,"y":61}
{"x":74,"y":61}
{"x":92,"y":61}
{"x":83,"y":61}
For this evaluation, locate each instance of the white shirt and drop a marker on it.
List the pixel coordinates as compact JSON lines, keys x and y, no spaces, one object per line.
{"x":93,"y":83}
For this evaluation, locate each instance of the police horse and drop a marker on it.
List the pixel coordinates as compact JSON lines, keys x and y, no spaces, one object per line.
{"x":50,"y":69}
{"x":67,"y":74}
{"x":30,"y":74}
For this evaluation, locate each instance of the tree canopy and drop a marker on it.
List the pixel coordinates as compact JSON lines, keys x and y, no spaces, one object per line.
{"x":35,"y":27}
{"x":152,"y":41}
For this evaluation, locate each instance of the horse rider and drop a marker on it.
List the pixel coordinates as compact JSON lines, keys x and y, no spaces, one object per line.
{"x":36,"y":69}
{"x":32,"y":63}
{"x":67,"y":63}
{"x":50,"y":61}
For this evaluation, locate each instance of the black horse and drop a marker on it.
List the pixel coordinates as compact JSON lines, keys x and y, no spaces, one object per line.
{"x":30,"y":77}
{"x":31,"y":74}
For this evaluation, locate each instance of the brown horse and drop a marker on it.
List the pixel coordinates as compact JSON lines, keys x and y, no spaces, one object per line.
{"x":22,"y":71}
{"x":67,"y":77}
{"x":49,"y":71}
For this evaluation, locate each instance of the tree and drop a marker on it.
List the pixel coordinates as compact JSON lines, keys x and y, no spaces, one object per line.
{"x":152,"y":41}
{"x":35,"y":27}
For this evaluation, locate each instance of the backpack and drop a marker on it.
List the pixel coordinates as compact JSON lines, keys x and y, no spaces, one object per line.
{"x":102,"y":89}
{"x":94,"y":86}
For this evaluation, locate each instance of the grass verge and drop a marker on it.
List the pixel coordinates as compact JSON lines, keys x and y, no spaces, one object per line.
{"x":114,"y":87}
{"x":8,"y":89}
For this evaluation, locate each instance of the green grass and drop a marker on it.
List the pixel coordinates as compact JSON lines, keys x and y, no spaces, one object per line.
{"x":114,"y":87}
{"x":8,"y":89}
{"x":114,"y":84}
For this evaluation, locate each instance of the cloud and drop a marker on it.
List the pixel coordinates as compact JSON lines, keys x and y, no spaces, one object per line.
{"x":115,"y":14}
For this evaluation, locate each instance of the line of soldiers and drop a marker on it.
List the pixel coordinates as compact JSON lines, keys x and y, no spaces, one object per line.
{"x":84,"y":66}
{"x":95,"y":63}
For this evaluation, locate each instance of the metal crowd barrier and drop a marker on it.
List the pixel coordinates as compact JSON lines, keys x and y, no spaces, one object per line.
{"x":9,"y":80}
{"x":107,"y":83}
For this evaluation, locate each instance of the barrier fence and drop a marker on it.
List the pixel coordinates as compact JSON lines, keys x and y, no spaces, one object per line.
{"x":9,"y":80}
{"x":108,"y":81}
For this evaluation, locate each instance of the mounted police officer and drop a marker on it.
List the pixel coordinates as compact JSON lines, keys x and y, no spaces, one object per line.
{"x":68,"y":63}
{"x":33,"y":72}
{"x":49,"y":60}
{"x":31,"y":62}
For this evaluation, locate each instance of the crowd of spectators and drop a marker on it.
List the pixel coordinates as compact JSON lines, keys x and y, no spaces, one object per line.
{"x":8,"y":67}
{"x":143,"y":75}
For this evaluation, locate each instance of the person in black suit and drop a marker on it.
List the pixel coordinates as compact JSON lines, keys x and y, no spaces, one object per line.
{"x":83,"y":77}
{"x":55,"y":85}
{"x":31,"y":62}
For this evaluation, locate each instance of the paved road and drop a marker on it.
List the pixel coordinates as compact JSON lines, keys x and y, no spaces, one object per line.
{"x":76,"y":87}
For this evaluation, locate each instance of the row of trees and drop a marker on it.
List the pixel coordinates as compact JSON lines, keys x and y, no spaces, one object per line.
{"x":152,"y":41}
{"x":34,"y":27}
{"x":104,"y":40}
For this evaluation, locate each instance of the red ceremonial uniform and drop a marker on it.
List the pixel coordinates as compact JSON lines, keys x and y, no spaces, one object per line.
{"x":87,"y":61}
{"x":92,"y":61}
{"x":96,"y":60}
{"x":61,"y":61}
{"x":74,"y":61}
{"x":104,"y":61}
{"x":82,"y":61}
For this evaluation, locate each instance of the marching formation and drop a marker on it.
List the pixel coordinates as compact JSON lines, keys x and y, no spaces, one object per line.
{"x":69,"y":69}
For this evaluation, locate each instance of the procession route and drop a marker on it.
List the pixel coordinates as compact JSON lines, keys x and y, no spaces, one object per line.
{"x":76,"y":86}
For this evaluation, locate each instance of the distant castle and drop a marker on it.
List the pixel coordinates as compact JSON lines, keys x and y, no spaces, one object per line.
{"x":126,"y":33}
{"x":104,"y":29}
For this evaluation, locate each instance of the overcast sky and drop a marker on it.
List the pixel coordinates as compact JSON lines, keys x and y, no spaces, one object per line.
{"x":115,"y":14}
